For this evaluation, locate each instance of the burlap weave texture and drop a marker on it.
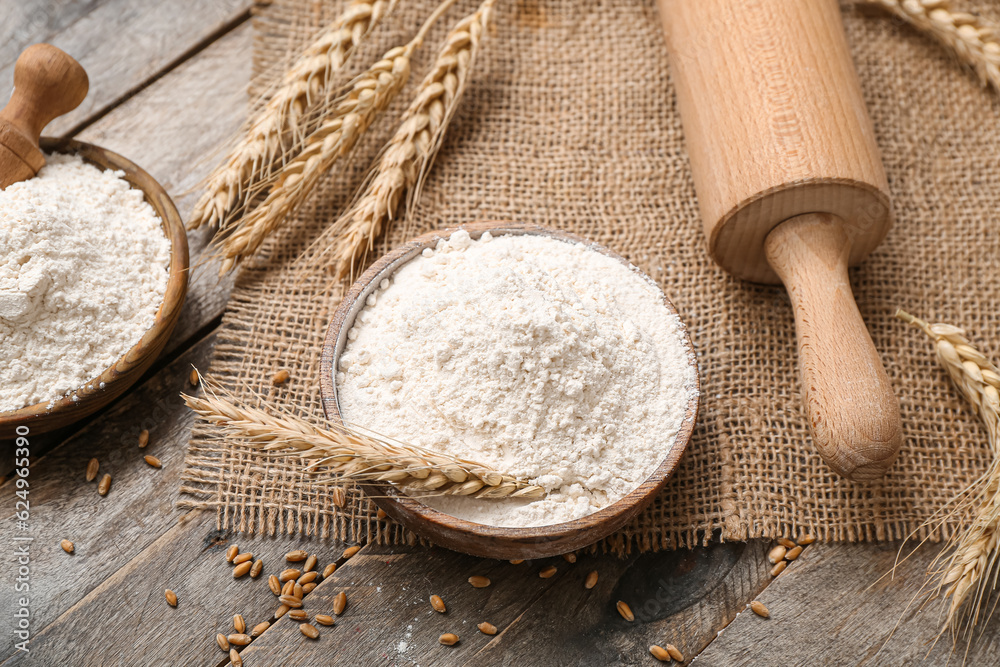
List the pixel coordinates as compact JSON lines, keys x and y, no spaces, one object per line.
{"x":570,"y":121}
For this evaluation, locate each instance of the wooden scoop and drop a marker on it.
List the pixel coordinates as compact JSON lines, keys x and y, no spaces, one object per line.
{"x":792,"y":189}
{"x":47,"y":84}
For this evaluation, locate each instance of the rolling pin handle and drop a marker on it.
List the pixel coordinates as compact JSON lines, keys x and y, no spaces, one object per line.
{"x":852,"y":409}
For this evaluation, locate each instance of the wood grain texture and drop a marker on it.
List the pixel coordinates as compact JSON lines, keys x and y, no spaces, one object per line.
{"x":109,"y":531}
{"x":775,"y":124}
{"x":123,"y":44}
{"x":27,"y":23}
{"x":852,"y":409}
{"x":474,"y":538}
{"x":833,"y":608}
{"x":681,"y":597}
{"x":126,"y":621}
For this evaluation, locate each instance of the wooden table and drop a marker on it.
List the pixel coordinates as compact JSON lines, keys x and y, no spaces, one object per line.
{"x":168,"y":87}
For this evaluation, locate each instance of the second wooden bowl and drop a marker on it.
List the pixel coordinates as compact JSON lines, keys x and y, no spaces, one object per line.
{"x":466,"y":536}
{"x":123,"y":373}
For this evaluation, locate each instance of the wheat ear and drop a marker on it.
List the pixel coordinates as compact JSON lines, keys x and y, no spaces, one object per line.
{"x":404,"y":162}
{"x":353,"y":455}
{"x":972,"y":40}
{"x":228,"y":188}
{"x":351,"y":116}
{"x":970,"y":555}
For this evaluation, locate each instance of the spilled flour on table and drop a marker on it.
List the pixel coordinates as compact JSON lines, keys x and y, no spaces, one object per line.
{"x":83,"y":270}
{"x":543,"y":358}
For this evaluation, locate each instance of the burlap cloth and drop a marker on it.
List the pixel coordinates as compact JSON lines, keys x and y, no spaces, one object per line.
{"x":570,"y":121}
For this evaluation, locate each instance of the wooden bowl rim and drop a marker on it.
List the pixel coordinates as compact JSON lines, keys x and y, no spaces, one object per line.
{"x":166,"y":314}
{"x":600,"y":523}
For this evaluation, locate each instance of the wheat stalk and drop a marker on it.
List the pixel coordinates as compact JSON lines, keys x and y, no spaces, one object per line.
{"x":351,"y":116}
{"x":970,"y":556}
{"x":406,"y":159}
{"x":971,"y":39}
{"x":229,"y":188}
{"x":354,"y":455}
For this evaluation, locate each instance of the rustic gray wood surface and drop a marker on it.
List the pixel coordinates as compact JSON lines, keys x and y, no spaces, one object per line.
{"x":168,"y":88}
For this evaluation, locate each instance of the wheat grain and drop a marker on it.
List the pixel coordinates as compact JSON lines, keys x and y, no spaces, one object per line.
{"x":973,"y":41}
{"x":406,"y":159}
{"x":230,"y":186}
{"x":967,"y":566}
{"x":351,"y":454}
{"x":349,"y":118}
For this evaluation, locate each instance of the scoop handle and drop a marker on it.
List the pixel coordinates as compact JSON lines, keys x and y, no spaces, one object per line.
{"x":850,"y":403}
{"x":47,"y":83}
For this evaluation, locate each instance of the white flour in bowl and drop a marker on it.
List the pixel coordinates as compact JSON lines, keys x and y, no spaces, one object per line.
{"x":545,"y":359}
{"x":83,"y":270}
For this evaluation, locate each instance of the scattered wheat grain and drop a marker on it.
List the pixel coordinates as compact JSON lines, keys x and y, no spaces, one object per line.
{"x":448,"y":639}
{"x":659,"y":653}
{"x":67,"y":546}
{"x":171,"y":597}
{"x":625,"y":611}
{"x":340,"y":603}
{"x":758,"y":608}
{"x":92,"y":467}
{"x":291,"y":574}
{"x":438,"y":604}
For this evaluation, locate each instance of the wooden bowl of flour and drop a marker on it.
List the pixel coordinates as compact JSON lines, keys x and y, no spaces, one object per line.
{"x":476,"y":538}
{"x":110,"y":384}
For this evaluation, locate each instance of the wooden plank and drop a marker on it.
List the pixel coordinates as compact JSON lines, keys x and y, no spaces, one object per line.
{"x":833,"y":607}
{"x":389,"y":619}
{"x":123,"y":44}
{"x":174,"y":130}
{"x":26,"y":23}
{"x":684,"y":597}
{"x":126,"y":620}
{"x":109,"y":531}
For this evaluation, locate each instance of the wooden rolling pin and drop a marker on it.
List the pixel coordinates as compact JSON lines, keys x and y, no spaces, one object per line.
{"x":47,"y":84}
{"x":792,"y":189}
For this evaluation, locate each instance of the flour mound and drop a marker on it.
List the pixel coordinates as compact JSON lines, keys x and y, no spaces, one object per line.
{"x":83,"y":270}
{"x":543,"y":358}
